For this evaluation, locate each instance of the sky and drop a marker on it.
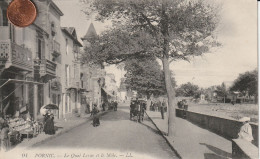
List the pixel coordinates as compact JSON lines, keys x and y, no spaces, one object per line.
{"x":237,"y":32}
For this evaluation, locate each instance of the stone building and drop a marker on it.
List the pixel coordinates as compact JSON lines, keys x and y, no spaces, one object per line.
{"x":92,"y":75}
{"x":33,"y":61}
{"x":70,"y":80}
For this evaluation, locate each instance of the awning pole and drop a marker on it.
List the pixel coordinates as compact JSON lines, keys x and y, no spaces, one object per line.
{"x":4,"y":83}
{"x":12,"y":92}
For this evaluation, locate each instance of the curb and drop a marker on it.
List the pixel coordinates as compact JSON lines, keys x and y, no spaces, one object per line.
{"x":64,"y":131}
{"x":165,"y":138}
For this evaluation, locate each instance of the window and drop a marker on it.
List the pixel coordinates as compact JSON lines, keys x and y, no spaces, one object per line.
{"x":69,"y":102}
{"x":54,"y":101}
{"x":67,"y":47}
{"x":5,"y":20}
{"x":12,"y":33}
{"x":66,"y":103}
{"x":67,"y":74}
{"x":39,"y":48}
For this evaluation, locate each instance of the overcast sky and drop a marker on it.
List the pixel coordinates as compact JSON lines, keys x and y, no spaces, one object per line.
{"x":237,"y":33}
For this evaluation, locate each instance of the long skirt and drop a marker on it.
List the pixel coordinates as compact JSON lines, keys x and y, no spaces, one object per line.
{"x":49,"y":127}
{"x":96,"y":121}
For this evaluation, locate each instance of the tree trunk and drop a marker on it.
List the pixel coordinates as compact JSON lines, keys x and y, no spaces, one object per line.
{"x":166,"y":69}
{"x":171,"y":97}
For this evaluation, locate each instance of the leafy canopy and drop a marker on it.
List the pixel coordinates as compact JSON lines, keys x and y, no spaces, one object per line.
{"x":145,"y":76}
{"x":177,"y":29}
{"x":222,"y":90}
{"x":246,"y":82}
{"x":187,"y":90}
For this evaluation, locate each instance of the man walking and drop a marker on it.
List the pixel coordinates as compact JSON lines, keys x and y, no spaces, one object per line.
{"x":161,"y":106}
{"x":115,"y":106}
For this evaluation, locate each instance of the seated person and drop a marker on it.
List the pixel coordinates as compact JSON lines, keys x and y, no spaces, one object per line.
{"x":246,"y":130}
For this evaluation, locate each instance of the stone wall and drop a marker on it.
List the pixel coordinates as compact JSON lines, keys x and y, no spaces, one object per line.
{"x":224,"y":127}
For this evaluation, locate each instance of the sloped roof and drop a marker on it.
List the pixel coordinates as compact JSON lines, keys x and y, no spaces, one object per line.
{"x":90,"y":33}
{"x":71,"y":32}
{"x":56,"y":8}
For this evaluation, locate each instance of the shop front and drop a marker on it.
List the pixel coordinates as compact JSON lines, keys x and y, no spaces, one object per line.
{"x":19,"y":103}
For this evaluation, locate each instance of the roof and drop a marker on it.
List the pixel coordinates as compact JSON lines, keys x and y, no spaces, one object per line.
{"x":71,"y":32}
{"x":90,"y":33}
{"x":57,"y":9}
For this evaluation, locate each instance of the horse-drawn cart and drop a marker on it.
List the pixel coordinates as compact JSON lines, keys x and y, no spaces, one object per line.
{"x":137,"y":108}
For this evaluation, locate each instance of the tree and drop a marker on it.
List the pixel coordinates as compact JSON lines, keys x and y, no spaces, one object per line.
{"x":247,"y":82}
{"x":167,"y":29}
{"x":145,"y":77}
{"x":187,"y":90}
{"x":222,"y":91}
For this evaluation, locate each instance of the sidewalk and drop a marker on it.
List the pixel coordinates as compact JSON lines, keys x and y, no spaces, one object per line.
{"x":63,"y":127}
{"x":191,"y":141}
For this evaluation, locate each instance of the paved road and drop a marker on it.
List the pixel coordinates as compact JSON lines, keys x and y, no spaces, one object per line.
{"x":116,"y":133}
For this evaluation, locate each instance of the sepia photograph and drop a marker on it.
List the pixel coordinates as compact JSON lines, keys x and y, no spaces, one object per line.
{"x":129,"y":79}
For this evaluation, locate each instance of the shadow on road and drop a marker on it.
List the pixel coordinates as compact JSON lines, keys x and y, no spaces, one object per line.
{"x":213,"y":156}
{"x":219,"y":154}
{"x":150,"y":128}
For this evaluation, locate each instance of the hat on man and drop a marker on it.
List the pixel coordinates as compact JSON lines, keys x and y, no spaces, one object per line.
{"x":244,"y":119}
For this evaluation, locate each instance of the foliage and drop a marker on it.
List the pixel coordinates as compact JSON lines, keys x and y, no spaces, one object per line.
{"x":166,"y":29}
{"x":188,"y":90}
{"x":247,"y":82}
{"x":222,"y":90}
{"x":145,"y":77}
{"x":146,"y":26}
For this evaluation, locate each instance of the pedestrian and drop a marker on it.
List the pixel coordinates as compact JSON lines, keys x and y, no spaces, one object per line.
{"x":94,"y":113}
{"x":132,"y":107}
{"x":115,"y":106}
{"x":246,"y":130}
{"x":185,"y":104}
{"x":164,"y":105}
{"x":104,"y":106}
{"x":4,"y":137}
{"x":139,"y":109}
{"x":161,"y":109}
{"x":49,"y":124}
{"x":87,"y":108}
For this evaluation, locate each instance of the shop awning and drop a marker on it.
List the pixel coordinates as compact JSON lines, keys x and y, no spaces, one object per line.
{"x":20,"y":81}
{"x":108,"y":93}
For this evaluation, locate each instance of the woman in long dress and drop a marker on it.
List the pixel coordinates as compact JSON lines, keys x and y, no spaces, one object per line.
{"x":94,"y":112}
{"x":49,"y":125}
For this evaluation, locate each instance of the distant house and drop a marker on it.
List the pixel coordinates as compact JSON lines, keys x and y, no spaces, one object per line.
{"x":239,"y":97}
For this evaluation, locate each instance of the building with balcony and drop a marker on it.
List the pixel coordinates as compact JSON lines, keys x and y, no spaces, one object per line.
{"x":29,"y":60}
{"x":71,"y":83}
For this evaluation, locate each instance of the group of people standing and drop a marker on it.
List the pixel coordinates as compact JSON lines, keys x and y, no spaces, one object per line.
{"x":159,"y":106}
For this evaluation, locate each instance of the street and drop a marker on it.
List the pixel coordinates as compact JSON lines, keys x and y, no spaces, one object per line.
{"x":118,"y":133}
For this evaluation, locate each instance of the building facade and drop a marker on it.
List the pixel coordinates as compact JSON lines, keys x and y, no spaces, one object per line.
{"x":70,"y":80}
{"x":39,"y":64}
{"x":110,"y":85}
{"x":92,"y":75}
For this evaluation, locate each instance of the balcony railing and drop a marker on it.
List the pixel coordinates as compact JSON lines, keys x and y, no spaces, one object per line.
{"x":56,"y":48}
{"x":15,"y":55}
{"x":45,"y":67}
